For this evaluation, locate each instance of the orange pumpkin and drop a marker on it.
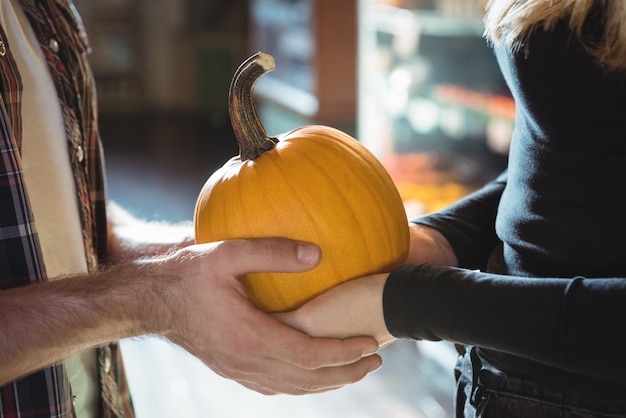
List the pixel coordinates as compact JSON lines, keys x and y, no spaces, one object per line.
{"x":316,"y":184}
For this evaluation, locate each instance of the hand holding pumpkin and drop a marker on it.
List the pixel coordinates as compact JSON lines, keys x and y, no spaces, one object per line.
{"x":355,"y":308}
{"x":351,"y":309}
{"x":202,"y":305}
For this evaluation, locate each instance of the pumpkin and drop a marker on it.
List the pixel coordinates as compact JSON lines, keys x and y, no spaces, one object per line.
{"x":315,"y":184}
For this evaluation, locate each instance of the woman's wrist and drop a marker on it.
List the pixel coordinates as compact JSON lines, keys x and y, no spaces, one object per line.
{"x":428,"y":245}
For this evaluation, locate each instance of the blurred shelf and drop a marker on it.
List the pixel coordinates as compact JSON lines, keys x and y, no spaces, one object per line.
{"x":433,"y":104}
{"x":314,"y":46}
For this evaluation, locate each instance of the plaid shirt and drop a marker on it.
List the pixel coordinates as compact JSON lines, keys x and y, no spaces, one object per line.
{"x":63,"y":40}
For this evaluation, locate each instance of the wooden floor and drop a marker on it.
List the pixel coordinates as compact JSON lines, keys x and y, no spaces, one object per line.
{"x":156,"y":166}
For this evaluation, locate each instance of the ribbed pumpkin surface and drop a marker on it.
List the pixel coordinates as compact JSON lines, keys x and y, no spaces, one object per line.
{"x":317,"y":185}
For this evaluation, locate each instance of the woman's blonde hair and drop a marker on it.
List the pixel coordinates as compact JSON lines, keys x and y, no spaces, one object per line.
{"x":511,"y":22}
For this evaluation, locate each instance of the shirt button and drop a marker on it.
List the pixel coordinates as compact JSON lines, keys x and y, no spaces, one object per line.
{"x":53,"y":44}
{"x":80,"y":154}
{"x":3,"y":49}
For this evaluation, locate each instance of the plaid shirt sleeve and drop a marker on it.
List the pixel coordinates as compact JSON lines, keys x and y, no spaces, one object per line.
{"x":20,"y":264}
{"x":47,"y":393}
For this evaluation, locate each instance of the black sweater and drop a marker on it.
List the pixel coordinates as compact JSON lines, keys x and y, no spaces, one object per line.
{"x":542,"y":249}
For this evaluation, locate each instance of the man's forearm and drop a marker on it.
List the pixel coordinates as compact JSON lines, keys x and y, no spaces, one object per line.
{"x":46,"y":322}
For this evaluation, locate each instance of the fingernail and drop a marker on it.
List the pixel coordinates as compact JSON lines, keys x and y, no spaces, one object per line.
{"x":307,"y":253}
{"x":375,"y":367}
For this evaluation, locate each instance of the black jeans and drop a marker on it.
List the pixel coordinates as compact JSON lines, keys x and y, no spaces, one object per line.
{"x":515,"y":396}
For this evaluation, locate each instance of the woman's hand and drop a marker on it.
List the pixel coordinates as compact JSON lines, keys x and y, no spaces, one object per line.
{"x":355,"y":308}
{"x":351,"y":309}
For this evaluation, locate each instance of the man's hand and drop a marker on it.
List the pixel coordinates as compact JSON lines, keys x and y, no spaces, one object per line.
{"x":195,"y":298}
{"x":207,"y":312}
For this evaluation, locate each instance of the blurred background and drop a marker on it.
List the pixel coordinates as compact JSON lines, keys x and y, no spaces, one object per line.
{"x":412,"y":79}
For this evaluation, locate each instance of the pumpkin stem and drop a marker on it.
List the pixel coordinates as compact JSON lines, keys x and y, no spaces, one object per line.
{"x":251,"y":136}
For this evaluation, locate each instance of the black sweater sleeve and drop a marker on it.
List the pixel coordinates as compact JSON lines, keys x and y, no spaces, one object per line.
{"x":469,"y":224}
{"x":577,"y":325}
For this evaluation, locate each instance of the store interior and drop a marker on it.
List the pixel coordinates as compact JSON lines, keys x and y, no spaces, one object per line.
{"x":412,"y":79}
